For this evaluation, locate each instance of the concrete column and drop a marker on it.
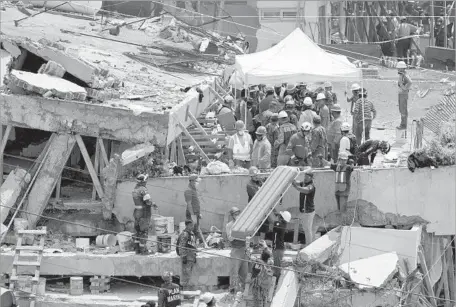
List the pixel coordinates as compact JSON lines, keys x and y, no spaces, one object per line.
{"x":16,"y":181}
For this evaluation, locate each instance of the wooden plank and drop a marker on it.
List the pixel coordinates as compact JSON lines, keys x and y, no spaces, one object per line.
{"x":193,"y":140}
{"x":30,"y":248}
{"x":90,"y":167}
{"x":446,"y":288}
{"x":103,"y":153}
{"x":180,"y":152}
{"x":32,"y":232}
{"x":26,"y":263}
{"x":97,"y":168}
{"x":5,"y":137}
{"x":427,"y":280}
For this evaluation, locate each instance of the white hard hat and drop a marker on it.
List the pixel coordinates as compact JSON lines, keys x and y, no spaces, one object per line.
{"x":283,"y":114}
{"x":207,"y":297}
{"x":308,"y":101}
{"x":401,"y":64}
{"x":229,"y":98}
{"x":288,"y":98}
{"x":286,"y":216}
{"x":355,"y":87}
{"x":306,"y":126}
{"x":321,"y":96}
{"x":345,"y":127}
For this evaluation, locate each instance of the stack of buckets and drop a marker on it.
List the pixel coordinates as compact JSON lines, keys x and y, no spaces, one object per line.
{"x":160,"y":232}
{"x":125,"y":241}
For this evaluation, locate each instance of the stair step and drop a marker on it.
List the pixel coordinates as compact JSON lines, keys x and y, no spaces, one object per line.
{"x":32,"y":232}
{"x":26,"y":263}
{"x":30,"y":248}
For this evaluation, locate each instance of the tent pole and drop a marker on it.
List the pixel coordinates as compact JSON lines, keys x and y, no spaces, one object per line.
{"x":363,"y":136}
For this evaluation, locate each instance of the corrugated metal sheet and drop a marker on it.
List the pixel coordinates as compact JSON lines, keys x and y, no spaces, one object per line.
{"x":442,"y":112}
{"x":264,"y":201}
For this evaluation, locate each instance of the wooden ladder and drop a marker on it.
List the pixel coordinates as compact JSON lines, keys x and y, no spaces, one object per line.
{"x":31,"y":250}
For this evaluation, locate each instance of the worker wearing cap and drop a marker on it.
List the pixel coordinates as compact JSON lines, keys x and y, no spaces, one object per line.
{"x":278,"y":240}
{"x":261,"y":153}
{"x":307,"y":114}
{"x":255,"y":182}
{"x":319,"y":142}
{"x":187,"y":253}
{"x":264,"y":104}
{"x":240,"y":147}
{"x":348,"y":142}
{"x":331,"y":97}
{"x":169,"y":294}
{"x":364,"y":113}
{"x":286,"y":130}
{"x":323,"y":110}
{"x":333,"y":133}
{"x":142,"y":212}
{"x":192,"y":199}
{"x":209,"y":299}
{"x":306,"y":191}
{"x":272,"y":133}
{"x":290,"y":108}
{"x":404,"y":84}
{"x":239,"y":264}
{"x":299,"y":146}
{"x":262,"y":279}
{"x":404,"y":41}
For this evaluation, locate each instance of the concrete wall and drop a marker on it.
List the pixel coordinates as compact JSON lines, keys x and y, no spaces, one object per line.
{"x":426,"y":193}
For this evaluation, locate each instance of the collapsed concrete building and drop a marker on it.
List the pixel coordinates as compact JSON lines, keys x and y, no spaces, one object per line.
{"x":85,"y":103}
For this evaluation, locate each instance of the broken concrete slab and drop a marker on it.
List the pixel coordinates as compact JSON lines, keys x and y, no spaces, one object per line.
{"x":287,"y":290}
{"x":11,"y":188}
{"x":372,"y":272}
{"x":102,"y":95}
{"x":132,"y":154}
{"x":5,"y":62}
{"x":43,"y":84}
{"x":109,"y":177}
{"x":362,"y":242}
{"x":10,"y":47}
{"x":33,"y":150}
{"x":323,"y":248}
{"x":52,"y":68}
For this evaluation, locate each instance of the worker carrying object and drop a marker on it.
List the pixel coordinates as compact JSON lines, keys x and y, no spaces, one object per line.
{"x":368,"y":151}
{"x":404,"y":83}
{"x":142,"y":213}
{"x":186,"y":249}
{"x":262,"y":279}
{"x":239,"y":264}
{"x":169,"y":294}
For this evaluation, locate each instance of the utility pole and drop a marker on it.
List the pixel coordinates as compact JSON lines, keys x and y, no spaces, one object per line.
{"x":432,"y":24}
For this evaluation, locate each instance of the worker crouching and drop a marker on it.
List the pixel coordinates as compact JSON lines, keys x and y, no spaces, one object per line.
{"x":239,"y":264}
{"x":262,"y":279}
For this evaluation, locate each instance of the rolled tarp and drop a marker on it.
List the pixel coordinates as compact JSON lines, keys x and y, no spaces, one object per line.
{"x":89,"y":8}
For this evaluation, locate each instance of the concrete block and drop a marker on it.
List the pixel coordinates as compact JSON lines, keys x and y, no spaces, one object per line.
{"x":102,"y":95}
{"x":11,"y":189}
{"x":11,"y":48}
{"x":43,"y":84}
{"x":136,"y":152}
{"x":5,"y":61}
{"x":321,"y":249}
{"x":52,"y":68}
{"x":287,"y":290}
{"x":372,"y":272}
{"x":359,"y":243}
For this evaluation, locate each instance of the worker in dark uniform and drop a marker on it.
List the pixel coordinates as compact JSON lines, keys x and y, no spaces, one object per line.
{"x":187,"y":253}
{"x":278,"y":240}
{"x":142,"y":213}
{"x":262,"y":279}
{"x":368,"y":151}
{"x":169,"y":294}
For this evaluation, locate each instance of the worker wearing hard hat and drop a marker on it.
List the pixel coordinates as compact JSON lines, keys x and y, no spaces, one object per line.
{"x":255,"y":182}
{"x":290,"y":108}
{"x":239,"y":264}
{"x":323,"y":110}
{"x":261,"y":153}
{"x":364,"y":113}
{"x":307,"y":114}
{"x":333,"y":133}
{"x":331,"y":97}
{"x":319,"y":142}
{"x":209,"y":299}
{"x":299,"y":146}
{"x":404,"y":83}
{"x":306,"y":191}
{"x":278,"y":240}
{"x":272,"y":133}
{"x":169,"y":294}
{"x":226,"y":106}
{"x":286,"y":130}
{"x":264,"y":104}
{"x":404,"y":41}
{"x":355,"y":88}
{"x":262,"y":280}
{"x":348,"y":142}
{"x":368,"y":151}
{"x":240,"y":147}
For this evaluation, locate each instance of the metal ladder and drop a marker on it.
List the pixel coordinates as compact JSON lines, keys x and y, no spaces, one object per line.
{"x":31,"y":250}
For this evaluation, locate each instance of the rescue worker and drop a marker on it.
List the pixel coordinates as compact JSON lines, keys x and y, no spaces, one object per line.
{"x":307,"y":113}
{"x":333,"y":133}
{"x":240,"y":147}
{"x":348,"y":142}
{"x":142,"y":213}
{"x":254,"y":184}
{"x":302,"y":90}
{"x":343,"y":169}
{"x":262,"y":279}
{"x":364,"y":113}
{"x":209,"y":299}
{"x":238,"y":254}
{"x":404,"y":83}
{"x":264,"y":117}
{"x":278,"y":240}
{"x":299,"y":146}
{"x":323,"y":110}
{"x":355,"y":88}
{"x":290,"y":90}
{"x":272,"y":133}
{"x":169,"y":294}
{"x":264,"y":104}
{"x":385,"y":36}
{"x":290,"y":108}
{"x":224,"y":113}
{"x":306,"y":191}
{"x":226,"y":106}
{"x":187,"y":250}
{"x":261,"y":153}
{"x":331,"y":97}
{"x":368,"y":151}
{"x":318,"y":142}
{"x":286,"y":130}
{"x":404,"y":41}
{"x":192,"y":200}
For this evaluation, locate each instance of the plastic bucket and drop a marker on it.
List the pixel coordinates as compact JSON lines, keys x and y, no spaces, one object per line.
{"x":125,"y":241}
{"x":106,"y":240}
{"x":164,"y":244}
{"x":161,"y":224}
{"x":76,"y":286}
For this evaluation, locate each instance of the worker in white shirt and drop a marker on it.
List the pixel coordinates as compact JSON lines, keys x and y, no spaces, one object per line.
{"x":240,"y":147}
{"x":348,"y":141}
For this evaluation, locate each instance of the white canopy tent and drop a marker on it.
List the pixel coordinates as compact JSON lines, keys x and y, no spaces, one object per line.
{"x":295,"y":59}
